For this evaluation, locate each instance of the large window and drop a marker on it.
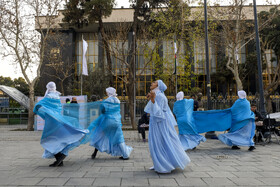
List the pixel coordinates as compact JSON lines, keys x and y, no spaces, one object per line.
{"x":91,"y":54}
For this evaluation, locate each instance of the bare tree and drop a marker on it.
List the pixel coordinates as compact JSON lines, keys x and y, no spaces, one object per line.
{"x":24,"y":33}
{"x":234,"y":30}
{"x":270,"y":37}
{"x":145,"y":43}
{"x":57,"y":64}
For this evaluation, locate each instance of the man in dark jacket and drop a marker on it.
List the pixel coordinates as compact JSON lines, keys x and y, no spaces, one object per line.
{"x":195,"y":103}
{"x":258,"y":121}
{"x":143,"y":124}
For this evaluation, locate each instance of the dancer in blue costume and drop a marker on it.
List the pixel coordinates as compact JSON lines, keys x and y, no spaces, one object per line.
{"x":242,"y":128}
{"x":106,"y":131}
{"x":183,"y":110}
{"x":165,"y":147}
{"x":60,"y":132}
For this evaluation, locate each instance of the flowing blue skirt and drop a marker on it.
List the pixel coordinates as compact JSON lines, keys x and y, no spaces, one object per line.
{"x":241,"y":137}
{"x":101,"y":142}
{"x":165,"y":147}
{"x":190,"y":141}
{"x":61,"y":137}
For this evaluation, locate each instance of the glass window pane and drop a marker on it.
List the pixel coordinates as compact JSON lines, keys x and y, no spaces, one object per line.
{"x":90,"y":48}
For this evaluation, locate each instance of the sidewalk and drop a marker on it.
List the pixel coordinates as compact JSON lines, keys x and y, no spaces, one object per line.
{"x":212,"y":164}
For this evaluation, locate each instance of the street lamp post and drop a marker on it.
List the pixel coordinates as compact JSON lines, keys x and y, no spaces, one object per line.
{"x":262,"y":107}
{"x":210,"y":134}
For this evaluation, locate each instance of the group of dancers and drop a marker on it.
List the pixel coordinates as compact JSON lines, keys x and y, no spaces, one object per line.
{"x":63,"y":133}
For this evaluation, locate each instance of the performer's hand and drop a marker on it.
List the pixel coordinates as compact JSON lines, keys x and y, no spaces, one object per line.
{"x":153,"y":96}
{"x":148,"y":96}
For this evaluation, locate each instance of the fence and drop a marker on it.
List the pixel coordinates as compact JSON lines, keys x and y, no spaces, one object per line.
{"x":20,"y":116}
{"x":13,"y":116}
{"x":217,"y":102}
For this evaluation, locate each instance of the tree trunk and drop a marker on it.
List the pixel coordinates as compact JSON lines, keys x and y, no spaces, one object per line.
{"x":62,"y":89}
{"x":107,"y":49}
{"x":268,"y":102}
{"x":130,"y":93}
{"x":30,"y":111}
{"x":238,"y":82}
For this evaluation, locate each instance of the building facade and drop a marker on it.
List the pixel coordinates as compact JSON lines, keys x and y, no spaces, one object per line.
{"x":146,"y":73}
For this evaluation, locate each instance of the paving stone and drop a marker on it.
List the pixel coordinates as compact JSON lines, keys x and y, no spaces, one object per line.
{"x":107,"y":182}
{"x":116,"y":174}
{"x":6,"y":180}
{"x":80,"y":181}
{"x":268,"y":168}
{"x":268,"y":174}
{"x":270,"y":181}
{"x":225,"y":168}
{"x":145,"y":174}
{"x":199,"y":168}
{"x":134,"y":169}
{"x":174,"y":174}
{"x":196,"y":174}
{"x":134,"y":182}
{"x":212,"y":164}
{"x":247,"y":168}
{"x":218,"y":181}
{"x":220,"y":174}
{"x":48,"y":174}
{"x":163,"y":182}
{"x":250,"y":174}
{"x":26,"y":181}
{"x":97,"y":174}
{"x":53,"y":181}
{"x":72,"y":174}
{"x":109,"y":169}
{"x":190,"y":182}
{"x":246,"y":181}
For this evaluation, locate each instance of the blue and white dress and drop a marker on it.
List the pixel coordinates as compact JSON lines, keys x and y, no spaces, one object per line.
{"x":242,"y":128}
{"x":165,"y":147}
{"x":189,"y":137}
{"x":106,"y":131}
{"x":61,"y":133}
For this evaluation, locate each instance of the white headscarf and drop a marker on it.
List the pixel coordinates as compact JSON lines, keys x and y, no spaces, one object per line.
{"x":111,"y":92}
{"x":241,"y":94}
{"x":162,"y":87}
{"x":51,"y":87}
{"x":180,"y":96}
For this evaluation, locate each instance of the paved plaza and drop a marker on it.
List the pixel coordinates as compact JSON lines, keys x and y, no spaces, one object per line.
{"x":212,"y":164}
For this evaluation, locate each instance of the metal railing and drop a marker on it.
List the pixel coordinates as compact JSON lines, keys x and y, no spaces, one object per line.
{"x":217,"y":101}
{"x":13,"y":116}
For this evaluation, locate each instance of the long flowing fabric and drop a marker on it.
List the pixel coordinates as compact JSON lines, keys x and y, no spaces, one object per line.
{"x":188,"y":134}
{"x":61,"y":133}
{"x":212,"y":120}
{"x":238,"y":119}
{"x":242,"y":128}
{"x":106,"y":133}
{"x":165,"y":147}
